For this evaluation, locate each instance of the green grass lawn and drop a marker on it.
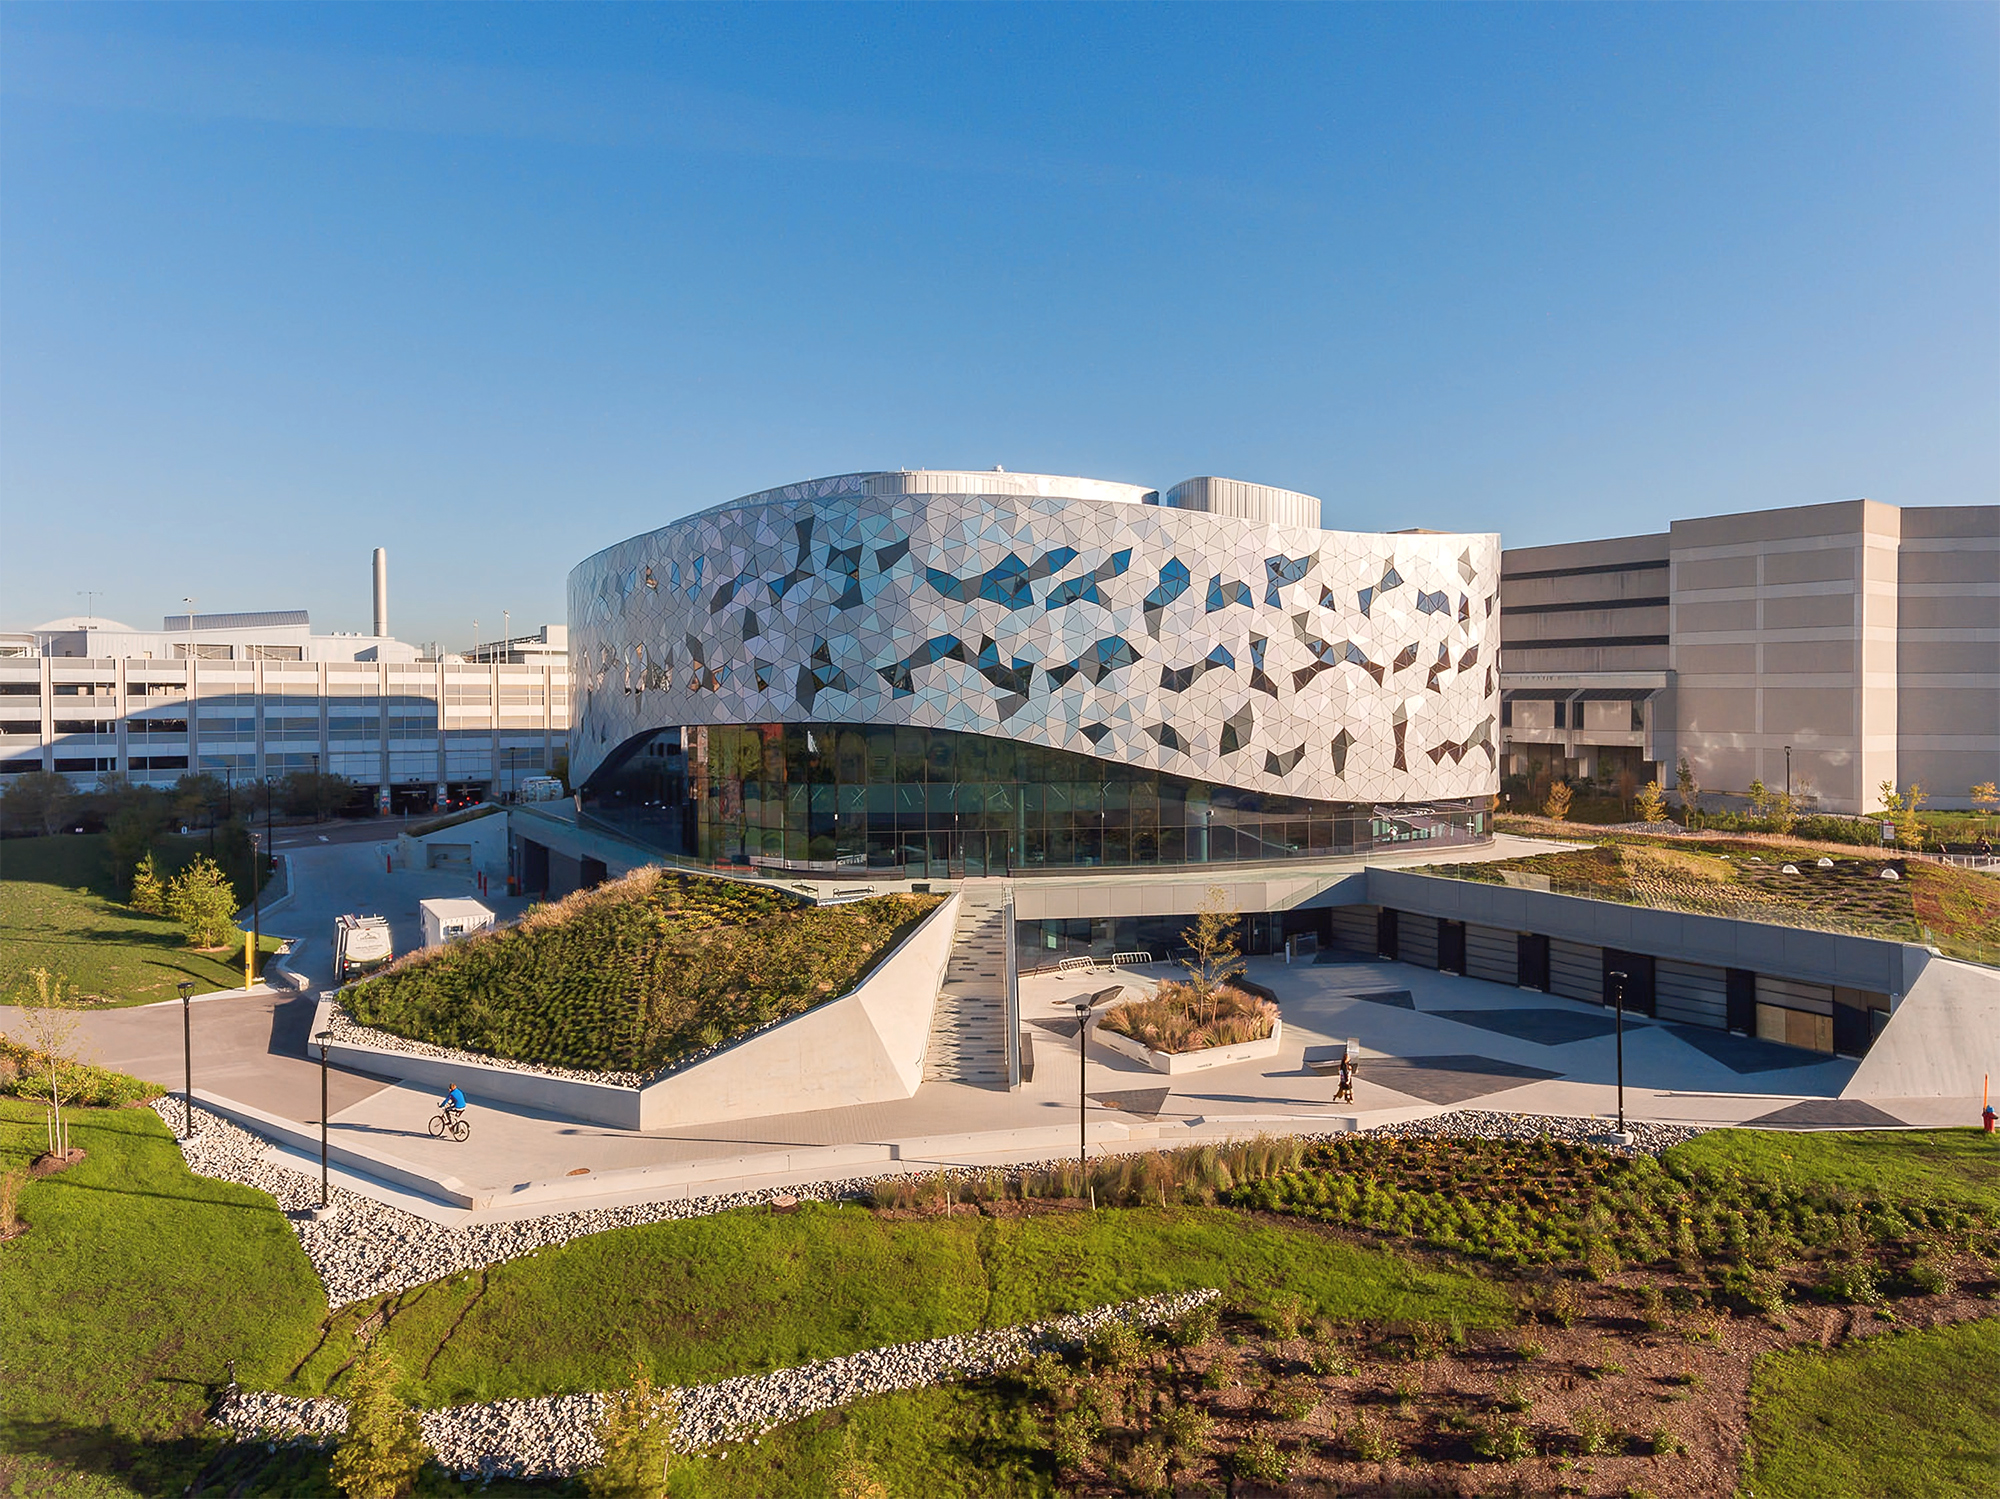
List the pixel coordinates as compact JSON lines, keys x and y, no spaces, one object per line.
{"x":121,"y":1305}
{"x":750,"y":1291}
{"x":957,"y":1442}
{"x":1947,"y":1165}
{"x":55,"y":913}
{"x":1916,"y":1415}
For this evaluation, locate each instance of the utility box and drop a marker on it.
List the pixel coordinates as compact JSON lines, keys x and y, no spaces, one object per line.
{"x":448,"y":920}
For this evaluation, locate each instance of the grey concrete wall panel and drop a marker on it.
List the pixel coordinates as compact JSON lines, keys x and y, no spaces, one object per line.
{"x":1943,"y":1041}
{"x":1576,"y":970}
{"x":1354,"y":927}
{"x":1492,"y":953}
{"x":1417,"y":939}
{"x":1337,"y":665}
{"x":1782,"y":951}
{"x":1691,"y":993}
{"x":1815,"y":999}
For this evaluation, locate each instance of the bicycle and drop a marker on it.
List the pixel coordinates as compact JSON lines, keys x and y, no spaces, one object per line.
{"x":450,"y":1122}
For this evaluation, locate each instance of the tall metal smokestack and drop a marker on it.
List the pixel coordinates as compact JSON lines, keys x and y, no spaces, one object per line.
{"x":381,"y":591}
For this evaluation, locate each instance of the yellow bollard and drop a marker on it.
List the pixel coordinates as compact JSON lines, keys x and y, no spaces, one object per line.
{"x":249,"y":957}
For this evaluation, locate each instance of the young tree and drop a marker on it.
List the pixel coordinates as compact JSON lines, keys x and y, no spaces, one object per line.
{"x":1909,"y":826}
{"x":1784,"y":812}
{"x":1986,"y":796}
{"x":1214,"y":958}
{"x":1652,"y":803}
{"x":199,"y":798}
{"x":50,"y":1018}
{"x":383,"y":1451}
{"x":1627,"y":785}
{"x":135,"y":827}
{"x":1559,"y":798}
{"x":1892,"y":800}
{"x":315,"y":794}
{"x":1760,"y":799}
{"x":149,"y":895}
{"x":203,"y":901}
{"x":1689,"y":789}
{"x":637,"y":1437}
{"x":38,"y":800}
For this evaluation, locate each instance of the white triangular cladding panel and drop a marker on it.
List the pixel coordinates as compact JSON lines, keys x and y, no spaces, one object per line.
{"x":965,"y":536}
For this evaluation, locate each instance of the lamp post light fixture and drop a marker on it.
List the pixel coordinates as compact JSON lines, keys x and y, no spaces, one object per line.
{"x":1618,"y":977}
{"x":251,"y":953}
{"x":324,"y":1039}
{"x":186,"y":986}
{"x":1082,"y":1083}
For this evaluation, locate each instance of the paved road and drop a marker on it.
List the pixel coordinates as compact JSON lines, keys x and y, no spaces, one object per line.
{"x":251,"y":1048}
{"x":254,"y":1048}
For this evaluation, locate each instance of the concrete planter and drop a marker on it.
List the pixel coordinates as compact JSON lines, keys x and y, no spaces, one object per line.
{"x":865,"y":1047}
{"x":1174,"y":1063}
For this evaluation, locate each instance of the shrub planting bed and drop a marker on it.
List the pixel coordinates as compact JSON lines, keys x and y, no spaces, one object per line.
{"x":1605,"y":1342}
{"x":1180,"y":1018}
{"x":636,"y":974}
{"x":1957,"y":910}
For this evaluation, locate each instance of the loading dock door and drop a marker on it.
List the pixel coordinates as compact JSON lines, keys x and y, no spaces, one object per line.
{"x":1742,"y":1001}
{"x":1417,"y":939}
{"x":1490,"y":955}
{"x":1531,"y":953}
{"x":1451,"y":946}
{"x":1386,"y":945}
{"x":1638,"y":970}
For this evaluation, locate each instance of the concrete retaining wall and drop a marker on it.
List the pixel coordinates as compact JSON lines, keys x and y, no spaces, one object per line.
{"x":1717,"y":941}
{"x":1174,"y":1064}
{"x":865,"y":1047}
{"x":1943,"y":1041}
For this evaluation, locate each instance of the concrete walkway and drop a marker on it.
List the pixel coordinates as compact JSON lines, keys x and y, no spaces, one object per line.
{"x":1430,"y":1042}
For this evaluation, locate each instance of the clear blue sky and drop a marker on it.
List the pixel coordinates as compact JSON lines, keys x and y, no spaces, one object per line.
{"x":497,"y":286}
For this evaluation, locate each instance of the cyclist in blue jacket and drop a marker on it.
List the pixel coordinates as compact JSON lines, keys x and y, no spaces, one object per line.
{"x":453,"y":1102}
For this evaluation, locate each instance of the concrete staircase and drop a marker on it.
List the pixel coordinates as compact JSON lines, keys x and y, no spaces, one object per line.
{"x":968,"y":1041}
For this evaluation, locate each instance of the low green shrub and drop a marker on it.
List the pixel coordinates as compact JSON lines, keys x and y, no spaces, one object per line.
{"x":1501,"y":1441}
{"x":637,"y":974}
{"x":1259,"y":1458}
{"x":25,"y":1074}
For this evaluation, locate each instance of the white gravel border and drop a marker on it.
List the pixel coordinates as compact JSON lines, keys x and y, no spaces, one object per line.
{"x":557,"y":1435}
{"x":368,"y":1248}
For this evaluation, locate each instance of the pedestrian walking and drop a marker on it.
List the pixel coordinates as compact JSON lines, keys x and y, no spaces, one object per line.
{"x":1348,"y":1067}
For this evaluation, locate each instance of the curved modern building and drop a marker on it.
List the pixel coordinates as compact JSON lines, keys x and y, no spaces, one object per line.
{"x":927,"y":672}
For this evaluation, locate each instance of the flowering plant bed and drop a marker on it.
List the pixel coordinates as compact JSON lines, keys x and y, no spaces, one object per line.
{"x":1181,"y":1029}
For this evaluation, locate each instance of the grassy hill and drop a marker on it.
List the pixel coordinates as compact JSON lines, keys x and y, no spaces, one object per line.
{"x":59,"y":910}
{"x":635,"y":974}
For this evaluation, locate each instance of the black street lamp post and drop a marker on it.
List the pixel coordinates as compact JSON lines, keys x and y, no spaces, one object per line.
{"x":186,"y":986}
{"x":1618,"y":977}
{"x":324,"y":1040}
{"x":1082,"y":1083}
{"x":256,"y":912}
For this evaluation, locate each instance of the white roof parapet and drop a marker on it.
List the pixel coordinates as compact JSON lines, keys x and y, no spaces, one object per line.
{"x":1235,"y":497}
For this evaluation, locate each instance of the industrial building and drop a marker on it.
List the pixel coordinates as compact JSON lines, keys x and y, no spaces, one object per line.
{"x":1825,"y":647}
{"x":256,"y":696}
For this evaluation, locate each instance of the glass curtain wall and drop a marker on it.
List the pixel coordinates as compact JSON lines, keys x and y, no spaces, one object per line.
{"x":936,"y":802}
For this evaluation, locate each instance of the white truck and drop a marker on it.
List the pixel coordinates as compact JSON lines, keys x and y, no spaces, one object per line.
{"x":359,"y":944}
{"x":540,"y":789}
